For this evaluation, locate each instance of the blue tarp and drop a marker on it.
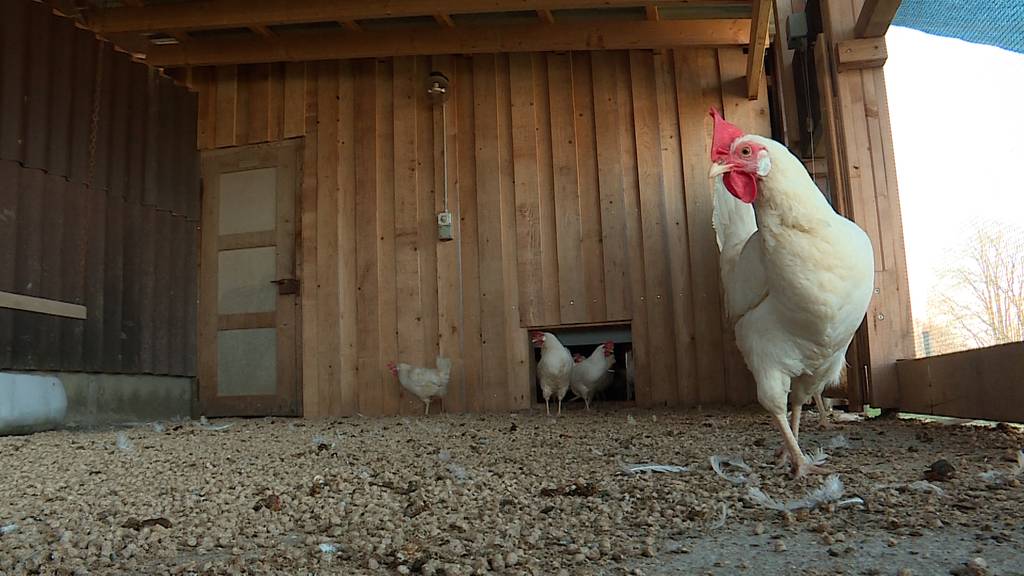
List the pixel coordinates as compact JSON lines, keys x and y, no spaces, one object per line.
{"x":993,"y":22}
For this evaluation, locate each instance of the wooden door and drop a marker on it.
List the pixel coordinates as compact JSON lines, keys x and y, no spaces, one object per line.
{"x":248,"y":282}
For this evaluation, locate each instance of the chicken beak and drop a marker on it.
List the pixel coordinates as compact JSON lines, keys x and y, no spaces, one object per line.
{"x":718,"y":169}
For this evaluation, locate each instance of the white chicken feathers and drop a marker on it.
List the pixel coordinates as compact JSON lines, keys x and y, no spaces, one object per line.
{"x":593,"y":374}
{"x":797,"y":279}
{"x":553,"y":369}
{"x":425,"y":383}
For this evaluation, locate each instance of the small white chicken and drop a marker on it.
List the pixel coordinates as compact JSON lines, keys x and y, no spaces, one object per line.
{"x":554,"y":368}
{"x":591,"y":375}
{"x":424,"y":383}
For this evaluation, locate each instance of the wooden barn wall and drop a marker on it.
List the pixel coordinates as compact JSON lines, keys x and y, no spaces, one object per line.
{"x":122,"y":243}
{"x":580,"y":192}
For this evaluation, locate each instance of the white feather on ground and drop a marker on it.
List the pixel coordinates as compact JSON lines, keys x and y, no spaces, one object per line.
{"x":830,"y":491}
{"x":718,"y":464}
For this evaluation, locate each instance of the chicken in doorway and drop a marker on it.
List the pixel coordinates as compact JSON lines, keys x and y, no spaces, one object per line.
{"x":592,"y":374}
{"x":553,"y":369}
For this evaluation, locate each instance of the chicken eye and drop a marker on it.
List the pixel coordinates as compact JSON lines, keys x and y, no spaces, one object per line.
{"x":745,"y":152}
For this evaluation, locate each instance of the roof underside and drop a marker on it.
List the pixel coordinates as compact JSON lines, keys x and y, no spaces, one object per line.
{"x":175,"y":33}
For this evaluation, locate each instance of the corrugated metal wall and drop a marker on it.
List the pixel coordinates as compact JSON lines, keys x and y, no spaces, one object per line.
{"x":105,"y":218}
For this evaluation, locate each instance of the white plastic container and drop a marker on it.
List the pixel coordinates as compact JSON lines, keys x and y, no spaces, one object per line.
{"x":31,"y":403}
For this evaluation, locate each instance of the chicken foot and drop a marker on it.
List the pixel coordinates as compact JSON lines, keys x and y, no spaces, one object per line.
{"x":801,"y":467}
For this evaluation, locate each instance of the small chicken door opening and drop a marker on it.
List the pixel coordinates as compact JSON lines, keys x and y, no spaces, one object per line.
{"x":583,"y":341}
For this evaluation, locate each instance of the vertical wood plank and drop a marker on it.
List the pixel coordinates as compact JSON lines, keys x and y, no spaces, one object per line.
{"x":426,"y":212}
{"x":467,"y":180}
{"x":275,"y":104}
{"x":96,"y":211}
{"x":347,"y":401}
{"x":177,"y":296}
{"x":13,"y":61}
{"x":449,"y":295}
{"x":546,"y":194}
{"x":368,"y":326}
{"x":294,"y":99}
{"x":657,"y":282}
{"x":589,"y":193}
{"x":517,"y":355}
{"x":81,"y":96}
{"x":148,"y":293}
{"x":571,"y":278}
{"x":311,"y":403}
{"x":207,"y":85}
{"x":328,"y":314}
{"x":676,"y":230}
{"x":28,"y":270}
{"x":73,"y":281}
{"x":607,"y":132}
{"x":162,"y":301}
{"x":258,"y":87}
{"x":488,"y":195}
{"x":62,"y":56}
{"x":407,"y":263}
{"x":37,"y":95}
{"x":226,"y":80}
{"x":389,"y":386}
{"x":527,"y":222}
{"x":131,"y":302}
{"x":243,"y":92}
{"x":633,"y":230}
{"x":10,"y":173}
{"x":697,"y":87}
{"x":120,"y":108}
{"x":52,"y":273}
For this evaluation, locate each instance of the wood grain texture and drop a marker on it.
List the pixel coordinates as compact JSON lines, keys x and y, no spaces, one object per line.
{"x":579,"y":191}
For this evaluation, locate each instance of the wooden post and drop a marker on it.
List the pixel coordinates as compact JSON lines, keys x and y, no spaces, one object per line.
{"x":868,"y":179}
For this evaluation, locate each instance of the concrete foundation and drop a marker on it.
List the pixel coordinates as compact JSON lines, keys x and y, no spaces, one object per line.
{"x":96,"y":399}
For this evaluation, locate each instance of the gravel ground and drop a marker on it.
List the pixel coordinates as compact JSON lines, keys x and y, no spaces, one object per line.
{"x":509,"y":494}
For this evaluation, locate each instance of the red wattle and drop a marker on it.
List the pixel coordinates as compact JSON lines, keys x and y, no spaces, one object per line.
{"x":742,"y":185}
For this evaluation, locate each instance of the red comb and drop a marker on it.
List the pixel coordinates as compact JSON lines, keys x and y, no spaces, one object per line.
{"x":724,"y":135}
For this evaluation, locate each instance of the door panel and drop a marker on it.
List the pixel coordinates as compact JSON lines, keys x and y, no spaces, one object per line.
{"x":247,"y":335}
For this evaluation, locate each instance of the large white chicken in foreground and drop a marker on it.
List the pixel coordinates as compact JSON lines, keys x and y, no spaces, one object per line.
{"x":797,"y":276}
{"x":592,"y":374}
{"x":425,"y":383}
{"x":553,"y":369}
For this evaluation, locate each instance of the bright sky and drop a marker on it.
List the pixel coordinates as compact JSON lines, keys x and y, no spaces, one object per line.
{"x":957,"y":112}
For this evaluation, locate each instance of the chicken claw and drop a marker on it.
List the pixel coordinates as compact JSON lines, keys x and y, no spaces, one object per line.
{"x":807,"y":468}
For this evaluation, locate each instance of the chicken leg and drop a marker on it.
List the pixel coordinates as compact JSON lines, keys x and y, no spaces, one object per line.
{"x":801,"y":467}
{"x":426,"y":408}
{"x":547,"y":406}
{"x":559,"y":406}
{"x":823,"y":413}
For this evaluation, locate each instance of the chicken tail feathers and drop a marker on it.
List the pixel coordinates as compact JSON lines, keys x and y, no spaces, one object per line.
{"x":444,"y":365}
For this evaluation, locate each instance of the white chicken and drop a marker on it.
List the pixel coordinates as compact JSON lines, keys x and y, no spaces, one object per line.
{"x":424,"y":383}
{"x":553,"y":369}
{"x":797,"y":276}
{"x":593,"y":374}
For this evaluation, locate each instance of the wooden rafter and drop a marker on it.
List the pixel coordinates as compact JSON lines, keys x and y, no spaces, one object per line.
{"x":211,"y":14}
{"x":351,"y":25}
{"x":762,"y":11}
{"x":651,"y":11}
{"x":875,"y":17}
{"x":463,"y":40}
{"x":546,"y":16}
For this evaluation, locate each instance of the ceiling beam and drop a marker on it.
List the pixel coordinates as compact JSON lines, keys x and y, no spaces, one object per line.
{"x":533,"y":37}
{"x":762,"y":11}
{"x":875,"y":18}
{"x":546,"y":16}
{"x":210,"y":14}
{"x":651,"y":11}
{"x":444,"y":20}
